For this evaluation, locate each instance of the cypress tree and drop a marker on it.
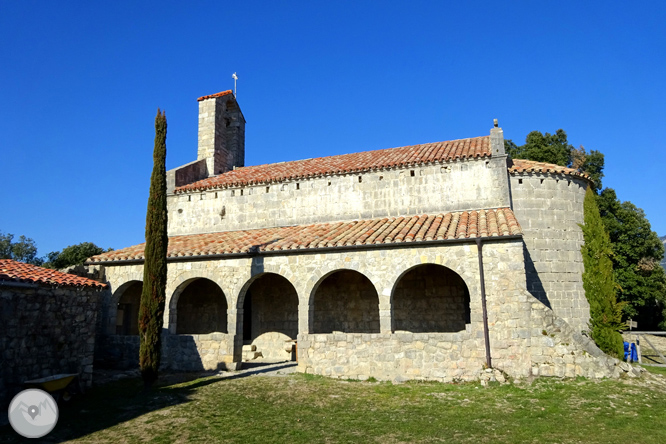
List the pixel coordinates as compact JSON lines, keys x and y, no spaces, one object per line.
{"x":153,"y":296}
{"x":598,"y":281}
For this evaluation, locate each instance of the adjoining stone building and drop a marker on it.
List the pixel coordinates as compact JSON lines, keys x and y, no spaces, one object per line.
{"x":377,"y":263}
{"x":47,"y":325}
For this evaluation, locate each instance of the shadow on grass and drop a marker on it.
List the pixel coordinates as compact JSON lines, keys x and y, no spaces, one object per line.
{"x":120,"y":401}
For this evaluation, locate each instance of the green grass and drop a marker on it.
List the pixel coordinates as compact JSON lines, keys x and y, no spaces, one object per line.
{"x":309,"y":409}
{"x":655,"y":370}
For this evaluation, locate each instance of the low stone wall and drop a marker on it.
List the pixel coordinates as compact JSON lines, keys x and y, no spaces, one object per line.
{"x":45,"y":331}
{"x":437,"y":356}
{"x":551,"y":347}
{"x":212,"y":351}
{"x":117,"y":352}
{"x":179,"y":352}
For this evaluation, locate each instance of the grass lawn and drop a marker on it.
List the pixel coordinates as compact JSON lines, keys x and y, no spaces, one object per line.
{"x":306,"y":409}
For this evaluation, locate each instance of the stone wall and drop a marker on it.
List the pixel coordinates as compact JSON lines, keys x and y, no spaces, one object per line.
{"x":457,"y":185}
{"x":45,"y":331}
{"x":549,"y":209}
{"x":202,"y":309}
{"x":516,"y":318}
{"x":346,"y":301}
{"x":198,"y":352}
{"x":179,"y":352}
{"x":430,"y":299}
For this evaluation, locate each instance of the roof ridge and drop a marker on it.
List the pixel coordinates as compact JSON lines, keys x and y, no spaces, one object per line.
{"x":409,"y":155}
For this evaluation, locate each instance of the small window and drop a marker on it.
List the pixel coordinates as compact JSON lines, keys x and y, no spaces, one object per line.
{"x":381,"y":177}
{"x":520,"y":181}
{"x":233,"y":193}
{"x":360,"y":179}
{"x":329,"y":183}
{"x":298,"y":186}
{"x":268,"y":189}
{"x":241,"y":192}
{"x":189,"y":198}
{"x":411,"y":173}
{"x":216,"y":195}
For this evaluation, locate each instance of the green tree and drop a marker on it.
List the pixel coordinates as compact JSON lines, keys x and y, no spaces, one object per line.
{"x":73,"y":255}
{"x":555,"y":148}
{"x":637,"y":252}
{"x":591,"y":163}
{"x":598,"y":281}
{"x":549,"y":148}
{"x":153,"y":296}
{"x":24,"y":250}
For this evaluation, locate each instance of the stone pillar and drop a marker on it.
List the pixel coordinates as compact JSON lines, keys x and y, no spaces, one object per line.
{"x":235,"y":329}
{"x":305,"y":314}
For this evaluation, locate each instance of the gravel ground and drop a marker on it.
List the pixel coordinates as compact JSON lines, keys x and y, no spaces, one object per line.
{"x":257,"y":367}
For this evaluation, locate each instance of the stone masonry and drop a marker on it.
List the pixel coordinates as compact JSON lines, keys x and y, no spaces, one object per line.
{"x":395,"y":296}
{"x":45,"y":329}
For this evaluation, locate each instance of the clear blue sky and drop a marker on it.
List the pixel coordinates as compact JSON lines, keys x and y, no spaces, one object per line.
{"x":80,"y":84}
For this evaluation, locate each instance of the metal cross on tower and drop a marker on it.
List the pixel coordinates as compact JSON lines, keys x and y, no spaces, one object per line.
{"x":235,"y":77}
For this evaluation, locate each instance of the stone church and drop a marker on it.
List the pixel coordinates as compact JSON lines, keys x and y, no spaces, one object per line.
{"x":432,"y":261}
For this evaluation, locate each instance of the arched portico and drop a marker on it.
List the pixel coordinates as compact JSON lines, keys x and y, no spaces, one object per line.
{"x":270,"y":315}
{"x":430,"y":298}
{"x":124,"y":309}
{"x":344,"y":300}
{"x":198,"y":306}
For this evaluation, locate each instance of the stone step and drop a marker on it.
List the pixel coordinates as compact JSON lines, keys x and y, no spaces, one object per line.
{"x":249,"y":348}
{"x":250,"y":355}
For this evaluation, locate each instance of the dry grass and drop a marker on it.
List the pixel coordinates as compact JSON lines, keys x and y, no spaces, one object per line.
{"x":301,"y":408}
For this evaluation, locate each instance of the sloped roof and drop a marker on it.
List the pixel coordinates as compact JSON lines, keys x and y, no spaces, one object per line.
{"x":14,"y":271}
{"x":389,"y":230}
{"x":211,"y":96}
{"x":413,"y":155}
{"x":531,"y":166}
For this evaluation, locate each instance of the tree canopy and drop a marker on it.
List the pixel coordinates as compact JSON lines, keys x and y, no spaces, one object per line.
{"x":637,"y":252}
{"x":555,"y":148}
{"x":73,"y":255}
{"x":599,"y":282}
{"x":24,"y":250}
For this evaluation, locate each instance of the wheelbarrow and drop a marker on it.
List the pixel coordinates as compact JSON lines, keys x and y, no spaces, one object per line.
{"x":63,"y":387}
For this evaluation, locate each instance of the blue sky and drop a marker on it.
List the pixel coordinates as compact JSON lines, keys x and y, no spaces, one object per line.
{"x":80,"y":84}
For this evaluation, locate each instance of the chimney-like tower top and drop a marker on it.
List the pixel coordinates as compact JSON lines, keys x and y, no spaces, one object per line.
{"x":221,"y":133}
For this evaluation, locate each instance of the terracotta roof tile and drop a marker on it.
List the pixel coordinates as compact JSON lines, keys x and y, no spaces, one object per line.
{"x":211,"y":96}
{"x":459,"y":225}
{"x":19,"y":272}
{"x":347,"y":163}
{"x":531,"y":166}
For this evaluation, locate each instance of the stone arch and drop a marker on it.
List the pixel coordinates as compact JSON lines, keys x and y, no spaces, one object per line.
{"x":430,"y":298}
{"x":175,"y":288}
{"x":270,"y":315}
{"x":344,"y":300}
{"x":198,"y":306}
{"x":129,"y":292}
